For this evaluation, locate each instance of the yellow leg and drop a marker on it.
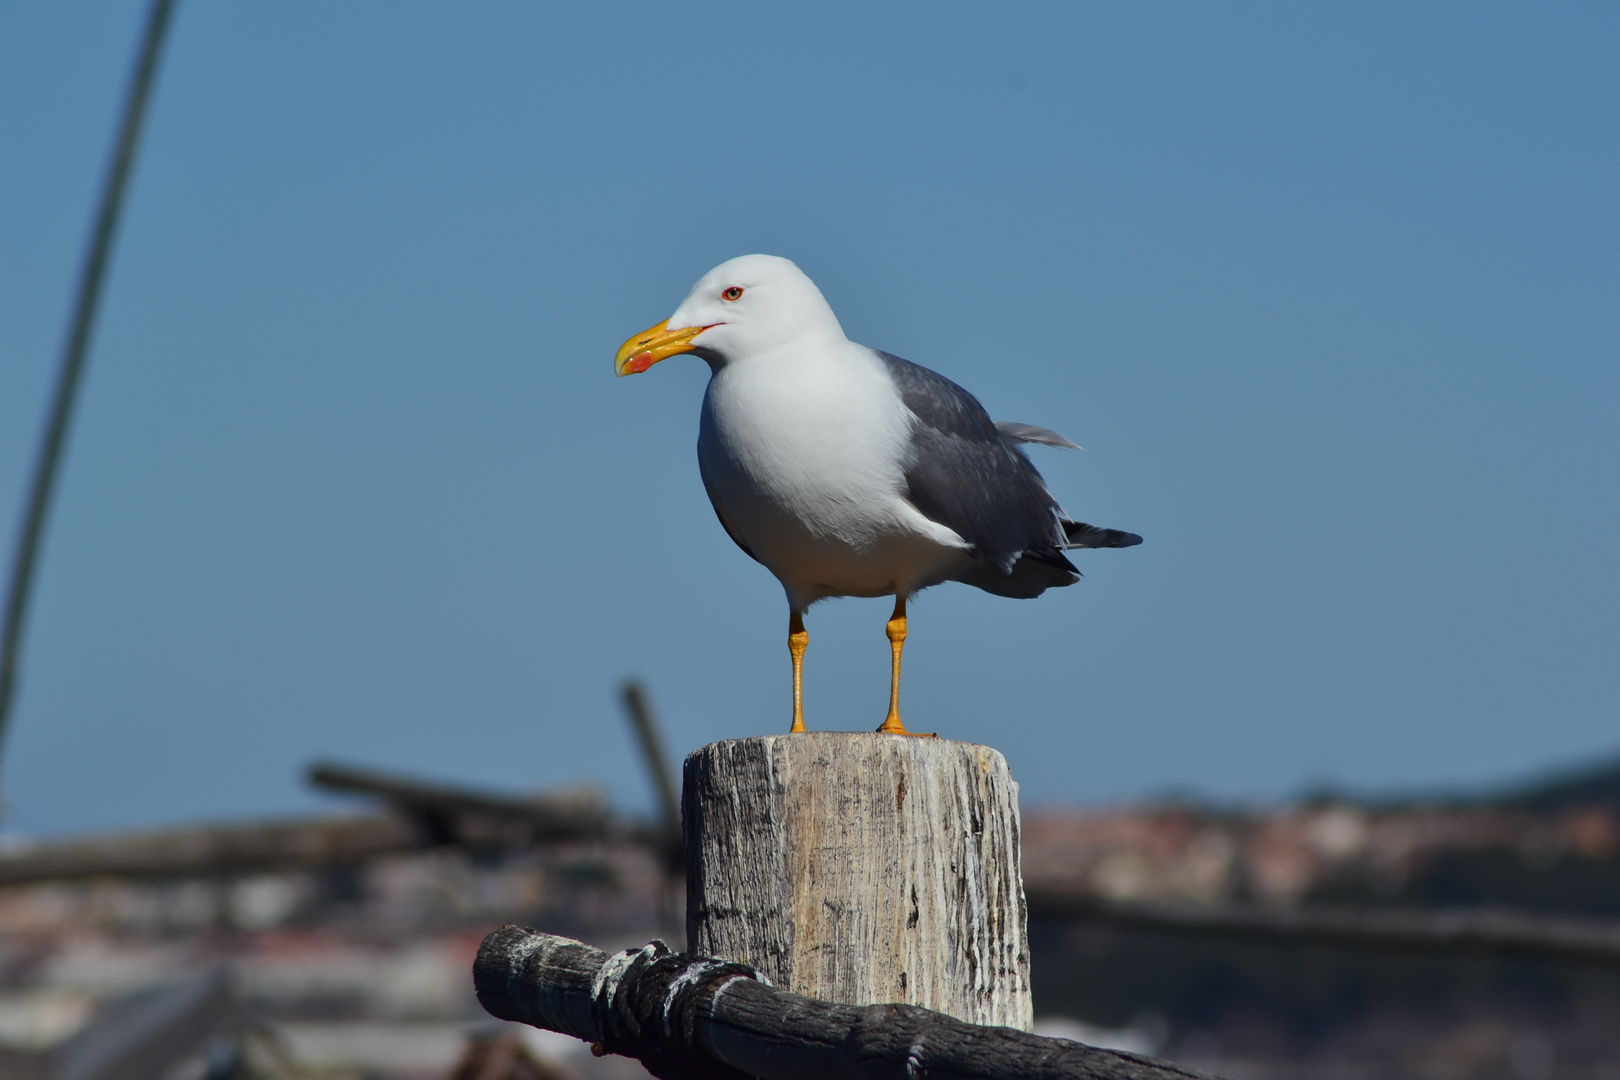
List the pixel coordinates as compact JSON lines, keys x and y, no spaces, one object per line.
{"x":897,"y":643}
{"x":798,"y":638}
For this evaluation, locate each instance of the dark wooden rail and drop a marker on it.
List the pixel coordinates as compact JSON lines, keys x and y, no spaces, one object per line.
{"x":422,"y":815}
{"x":691,"y":1018}
{"x":209,"y":850}
{"x":472,"y":818}
{"x":1508,"y":933}
{"x":539,"y":819}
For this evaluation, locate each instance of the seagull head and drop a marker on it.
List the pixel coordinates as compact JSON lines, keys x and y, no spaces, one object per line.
{"x":745,"y":307}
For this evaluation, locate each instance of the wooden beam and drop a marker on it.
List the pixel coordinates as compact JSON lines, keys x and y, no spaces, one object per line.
{"x":688,"y":1017}
{"x":1509,"y":933}
{"x":207,"y":850}
{"x":426,"y":815}
{"x":565,"y":816}
{"x":473,"y":818}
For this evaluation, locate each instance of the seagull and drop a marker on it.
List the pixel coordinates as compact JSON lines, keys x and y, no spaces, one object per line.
{"x":847,"y":471}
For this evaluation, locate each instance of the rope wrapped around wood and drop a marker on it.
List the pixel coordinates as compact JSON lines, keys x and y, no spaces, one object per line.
{"x":696,"y":1018}
{"x":646,"y":1006}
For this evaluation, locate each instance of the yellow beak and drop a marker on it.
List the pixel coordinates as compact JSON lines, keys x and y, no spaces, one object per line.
{"x":650,"y":346}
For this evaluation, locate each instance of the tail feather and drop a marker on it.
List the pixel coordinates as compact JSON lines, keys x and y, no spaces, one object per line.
{"x":1042,"y":568}
{"x":1030,"y":576}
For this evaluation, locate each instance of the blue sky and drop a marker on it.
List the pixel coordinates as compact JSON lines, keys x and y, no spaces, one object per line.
{"x":1328,"y":292}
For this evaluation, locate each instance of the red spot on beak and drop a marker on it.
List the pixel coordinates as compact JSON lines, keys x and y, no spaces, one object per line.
{"x":639,"y":363}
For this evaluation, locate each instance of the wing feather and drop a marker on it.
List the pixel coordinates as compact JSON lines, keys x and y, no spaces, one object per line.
{"x":964,"y":473}
{"x":1015,"y":432}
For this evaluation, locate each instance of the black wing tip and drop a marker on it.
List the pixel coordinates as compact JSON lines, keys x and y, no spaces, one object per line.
{"x":1082,"y":535}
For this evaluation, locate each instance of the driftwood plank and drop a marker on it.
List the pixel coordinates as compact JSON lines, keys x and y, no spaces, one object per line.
{"x":858,"y":867}
{"x":688,"y":1018}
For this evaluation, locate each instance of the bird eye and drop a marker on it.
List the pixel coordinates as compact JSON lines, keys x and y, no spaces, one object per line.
{"x":733,"y":293}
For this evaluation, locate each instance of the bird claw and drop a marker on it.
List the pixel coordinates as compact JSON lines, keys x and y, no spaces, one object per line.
{"x":893,"y":726}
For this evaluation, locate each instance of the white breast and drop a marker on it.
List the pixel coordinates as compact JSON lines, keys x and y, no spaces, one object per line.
{"x":805,"y":450}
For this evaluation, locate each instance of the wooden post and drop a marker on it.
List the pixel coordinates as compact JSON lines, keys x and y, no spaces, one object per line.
{"x":861,"y":868}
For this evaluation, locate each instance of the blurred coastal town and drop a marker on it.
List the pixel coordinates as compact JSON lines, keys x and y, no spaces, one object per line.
{"x":340,"y":947}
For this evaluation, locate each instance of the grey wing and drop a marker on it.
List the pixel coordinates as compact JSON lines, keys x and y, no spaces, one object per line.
{"x":964,"y":473}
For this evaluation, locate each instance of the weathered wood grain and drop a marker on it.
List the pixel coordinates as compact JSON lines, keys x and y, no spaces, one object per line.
{"x":687,"y":1018}
{"x":860,"y":868}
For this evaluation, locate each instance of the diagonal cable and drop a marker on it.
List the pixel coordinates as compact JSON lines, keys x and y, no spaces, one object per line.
{"x":71,"y":369}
